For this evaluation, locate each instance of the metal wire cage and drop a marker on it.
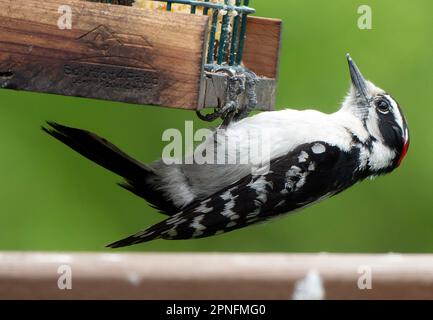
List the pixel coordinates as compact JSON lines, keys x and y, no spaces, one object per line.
{"x":228,"y":27}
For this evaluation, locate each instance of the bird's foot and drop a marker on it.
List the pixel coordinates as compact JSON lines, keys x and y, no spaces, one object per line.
{"x":235,"y":107}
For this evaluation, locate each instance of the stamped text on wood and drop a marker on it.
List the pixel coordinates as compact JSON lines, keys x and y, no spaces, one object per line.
{"x":112,"y":52}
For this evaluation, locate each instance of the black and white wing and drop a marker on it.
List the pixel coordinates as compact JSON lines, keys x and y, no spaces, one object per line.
{"x":309,"y":173}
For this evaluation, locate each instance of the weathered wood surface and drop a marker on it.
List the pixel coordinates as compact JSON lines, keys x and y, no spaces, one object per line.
{"x":216,"y":86}
{"x":112,"y":52}
{"x":212,"y":276}
{"x":263,"y":45}
{"x":124,"y":54}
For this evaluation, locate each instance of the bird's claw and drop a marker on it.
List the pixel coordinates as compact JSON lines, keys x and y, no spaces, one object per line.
{"x":233,"y":109}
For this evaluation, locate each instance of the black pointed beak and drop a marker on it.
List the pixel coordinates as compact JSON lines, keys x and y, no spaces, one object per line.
{"x":358,"y":81}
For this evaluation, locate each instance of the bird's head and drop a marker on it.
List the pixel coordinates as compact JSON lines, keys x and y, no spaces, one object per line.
{"x":382,"y":118}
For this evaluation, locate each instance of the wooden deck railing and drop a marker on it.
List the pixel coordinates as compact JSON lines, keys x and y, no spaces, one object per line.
{"x":214,"y":276}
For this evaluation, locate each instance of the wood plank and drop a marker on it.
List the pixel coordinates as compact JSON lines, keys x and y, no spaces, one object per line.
{"x":112,"y":52}
{"x":214,"y":276}
{"x":216,"y":86}
{"x":262,"y":46}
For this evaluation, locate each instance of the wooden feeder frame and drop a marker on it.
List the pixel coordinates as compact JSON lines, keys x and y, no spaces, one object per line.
{"x":128,"y":54}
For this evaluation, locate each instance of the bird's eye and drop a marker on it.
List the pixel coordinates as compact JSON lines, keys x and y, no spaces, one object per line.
{"x":383,"y":106}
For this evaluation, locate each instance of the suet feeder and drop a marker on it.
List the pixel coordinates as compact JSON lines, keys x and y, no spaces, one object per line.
{"x":181,"y":56}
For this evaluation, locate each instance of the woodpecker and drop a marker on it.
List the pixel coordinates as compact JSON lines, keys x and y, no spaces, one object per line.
{"x":313,"y":156}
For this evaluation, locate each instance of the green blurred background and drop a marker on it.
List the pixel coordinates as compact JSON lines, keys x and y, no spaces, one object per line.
{"x":53,"y":199}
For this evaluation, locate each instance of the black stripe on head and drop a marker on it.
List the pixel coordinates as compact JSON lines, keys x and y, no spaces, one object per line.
{"x":392,"y":123}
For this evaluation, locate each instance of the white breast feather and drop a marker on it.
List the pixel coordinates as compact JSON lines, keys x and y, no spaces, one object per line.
{"x":287,"y":129}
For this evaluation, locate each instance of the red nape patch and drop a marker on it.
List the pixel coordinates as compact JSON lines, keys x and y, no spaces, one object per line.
{"x":403,"y":153}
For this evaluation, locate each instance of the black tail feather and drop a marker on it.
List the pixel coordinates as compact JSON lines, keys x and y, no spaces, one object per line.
{"x":99,"y":151}
{"x":107,"y":155}
{"x":129,"y":241}
{"x":154,"y":232}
